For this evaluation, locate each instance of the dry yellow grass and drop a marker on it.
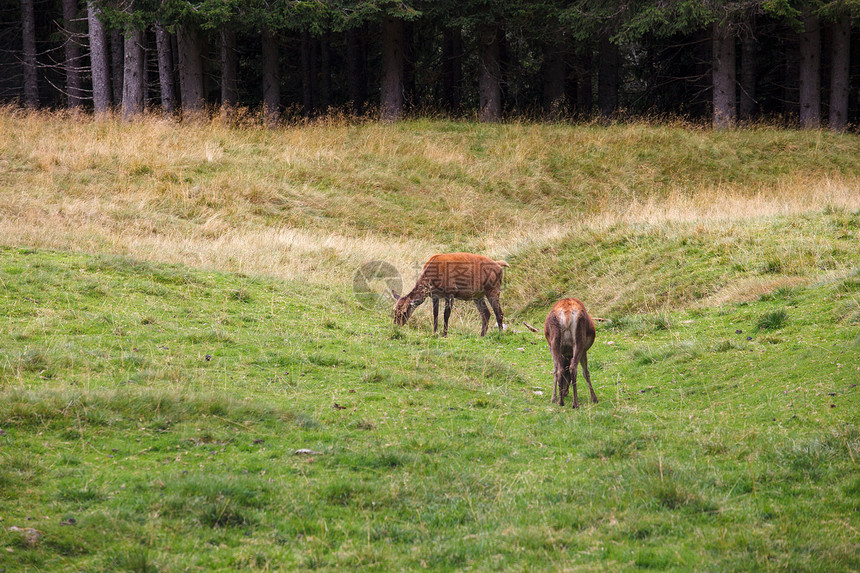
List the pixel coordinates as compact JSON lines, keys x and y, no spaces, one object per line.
{"x":718,"y":205}
{"x":319,"y":200}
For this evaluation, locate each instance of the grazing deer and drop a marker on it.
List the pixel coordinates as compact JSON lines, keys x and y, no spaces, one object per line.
{"x":462,"y":276}
{"x":570,"y":333}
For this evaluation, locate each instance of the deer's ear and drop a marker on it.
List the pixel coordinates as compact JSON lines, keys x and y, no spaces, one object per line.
{"x":395,"y":295}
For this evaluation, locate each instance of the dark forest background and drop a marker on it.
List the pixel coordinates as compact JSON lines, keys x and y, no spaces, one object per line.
{"x":786,"y":61}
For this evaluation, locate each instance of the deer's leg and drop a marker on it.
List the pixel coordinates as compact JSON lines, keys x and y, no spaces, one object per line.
{"x":574,"y":363}
{"x":557,"y":371}
{"x":497,"y":309}
{"x":449,"y":302}
{"x":588,"y":376}
{"x":485,"y":314}
{"x":435,"y":314}
{"x":563,"y":378}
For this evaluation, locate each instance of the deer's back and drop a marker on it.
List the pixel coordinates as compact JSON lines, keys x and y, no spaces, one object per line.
{"x":564,"y":319}
{"x":462,"y":275}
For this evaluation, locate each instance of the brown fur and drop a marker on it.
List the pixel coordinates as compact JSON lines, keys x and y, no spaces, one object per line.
{"x":463,"y":276}
{"x":569,"y":332}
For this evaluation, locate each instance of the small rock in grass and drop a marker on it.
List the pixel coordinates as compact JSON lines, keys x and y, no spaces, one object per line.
{"x":31,"y":535}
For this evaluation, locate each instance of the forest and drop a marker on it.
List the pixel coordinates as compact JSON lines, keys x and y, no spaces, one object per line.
{"x":789,"y":62}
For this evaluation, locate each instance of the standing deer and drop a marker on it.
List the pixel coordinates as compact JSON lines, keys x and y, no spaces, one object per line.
{"x":462,"y":276}
{"x":570,"y":333}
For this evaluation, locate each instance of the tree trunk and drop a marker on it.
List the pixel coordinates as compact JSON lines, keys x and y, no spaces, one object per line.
{"x":356,"y":69}
{"x":840,"y":63}
{"x":133,"y":84}
{"x":271,"y":79}
{"x":553,"y":72}
{"x":190,"y":70}
{"x":117,"y":63}
{"x":325,"y":72}
{"x":607,"y":78}
{"x":749,"y":45}
{"x":174,"y":51}
{"x":309,"y":73}
{"x":166,"y":80}
{"x":452,"y":69}
{"x":146,"y":43}
{"x":490,"y":74}
{"x":229,"y":69}
{"x":810,"y":67}
{"x":74,"y":80}
{"x":724,"y":80}
{"x":31,"y":78}
{"x":391,"y":93}
{"x":99,"y":60}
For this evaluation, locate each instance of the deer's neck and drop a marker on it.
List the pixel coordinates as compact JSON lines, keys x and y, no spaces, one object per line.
{"x":420,"y":292}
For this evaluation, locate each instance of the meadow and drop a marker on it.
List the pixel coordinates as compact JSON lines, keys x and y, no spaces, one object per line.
{"x":189,"y":382}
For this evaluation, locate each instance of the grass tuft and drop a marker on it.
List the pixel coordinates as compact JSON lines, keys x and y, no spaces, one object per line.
{"x":134,"y":560}
{"x":773,"y":320}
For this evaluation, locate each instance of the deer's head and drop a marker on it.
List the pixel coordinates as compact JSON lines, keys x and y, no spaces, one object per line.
{"x":403,"y":308}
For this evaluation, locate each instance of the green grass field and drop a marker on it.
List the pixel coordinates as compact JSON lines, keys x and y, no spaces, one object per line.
{"x":189,"y":383}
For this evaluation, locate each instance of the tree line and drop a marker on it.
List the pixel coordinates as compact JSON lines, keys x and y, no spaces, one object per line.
{"x":792,"y":61}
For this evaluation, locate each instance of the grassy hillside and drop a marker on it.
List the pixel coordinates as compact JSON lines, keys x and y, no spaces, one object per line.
{"x":316,"y":202}
{"x":188,"y":381}
{"x":652,"y":268}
